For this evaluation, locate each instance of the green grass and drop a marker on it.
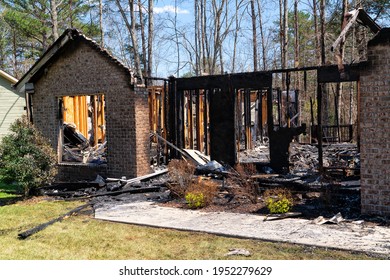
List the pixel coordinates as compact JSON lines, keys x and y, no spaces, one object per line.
{"x":81,"y":237}
{"x":8,"y":193}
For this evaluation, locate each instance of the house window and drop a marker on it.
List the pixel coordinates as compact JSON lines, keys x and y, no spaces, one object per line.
{"x":82,"y":136}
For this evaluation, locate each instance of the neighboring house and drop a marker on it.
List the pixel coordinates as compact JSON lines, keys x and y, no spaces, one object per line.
{"x":12,"y":103}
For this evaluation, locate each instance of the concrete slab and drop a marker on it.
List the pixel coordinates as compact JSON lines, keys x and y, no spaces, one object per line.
{"x":358,"y":236}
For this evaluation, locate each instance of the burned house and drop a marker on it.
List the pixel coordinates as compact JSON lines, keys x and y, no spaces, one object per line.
{"x":374,"y":126}
{"x":91,"y":109}
{"x":99,"y":120}
{"x":214,"y":114}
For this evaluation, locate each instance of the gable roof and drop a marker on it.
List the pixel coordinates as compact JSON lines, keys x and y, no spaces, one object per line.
{"x":8,"y":77}
{"x":57,"y":48}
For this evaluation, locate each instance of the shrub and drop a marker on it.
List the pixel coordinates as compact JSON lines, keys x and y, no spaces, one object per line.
{"x":278,"y":201}
{"x":26,"y":157}
{"x":197,"y":191}
{"x":202,"y":191}
{"x":195,"y":200}
{"x":181,"y":177}
{"x":241,"y":177}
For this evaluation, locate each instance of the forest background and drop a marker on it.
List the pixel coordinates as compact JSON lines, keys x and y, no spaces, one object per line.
{"x":190,"y":38}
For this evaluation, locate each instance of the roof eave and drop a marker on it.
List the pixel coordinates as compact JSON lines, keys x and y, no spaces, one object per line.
{"x":62,"y":41}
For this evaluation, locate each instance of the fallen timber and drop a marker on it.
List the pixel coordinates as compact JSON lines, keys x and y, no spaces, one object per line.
{"x":28,"y":233}
{"x":306,"y":183}
{"x":87,"y":190}
{"x":140,"y":178}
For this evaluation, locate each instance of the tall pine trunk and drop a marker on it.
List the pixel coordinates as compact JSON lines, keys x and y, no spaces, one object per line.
{"x":150,"y":37}
{"x":54,"y":19}
{"x":254,"y":35}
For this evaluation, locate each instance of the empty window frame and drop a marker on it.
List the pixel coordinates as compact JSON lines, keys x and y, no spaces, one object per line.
{"x":82,"y":136}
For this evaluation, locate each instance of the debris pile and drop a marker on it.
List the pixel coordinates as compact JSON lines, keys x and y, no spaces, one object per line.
{"x":341,"y":156}
{"x":77,"y":148}
{"x":106,"y":187}
{"x":303,"y":158}
{"x":260,"y":153}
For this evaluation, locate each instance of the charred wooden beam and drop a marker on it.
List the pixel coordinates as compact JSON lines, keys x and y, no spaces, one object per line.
{"x":331,"y":74}
{"x":202,"y":82}
{"x":165,"y":111}
{"x":319,"y":127}
{"x":260,"y":114}
{"x":222,"y":126}
{"x":254,"y":80}
{"x":206,"y":121}
{"x":247,"y":118}
{"x":198,"y":120}
{"x":129,"y":190}
{"x":172,"y":124}
{"x":28,"y":233}
{"x":279,"y":143}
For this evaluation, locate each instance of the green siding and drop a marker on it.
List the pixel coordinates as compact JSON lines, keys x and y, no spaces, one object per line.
{"x":11,"y":105}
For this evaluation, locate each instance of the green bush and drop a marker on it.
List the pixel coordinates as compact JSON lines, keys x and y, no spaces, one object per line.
{"x":195,"y":200}
{"x":278,"y":206}
{"x":26,"y":157}
{"x":278,"y":201}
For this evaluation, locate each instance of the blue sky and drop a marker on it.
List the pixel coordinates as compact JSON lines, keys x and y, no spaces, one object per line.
{"x":165,"y":50}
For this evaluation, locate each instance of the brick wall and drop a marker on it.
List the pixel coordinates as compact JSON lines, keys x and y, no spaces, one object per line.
{"x":82,"y":70}
{"x":375,"y":127}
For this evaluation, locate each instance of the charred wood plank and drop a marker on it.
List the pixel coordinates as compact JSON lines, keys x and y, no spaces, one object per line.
{"x":71,"y":186}
{"x":28,"y":233}
{"x":130,"y":190}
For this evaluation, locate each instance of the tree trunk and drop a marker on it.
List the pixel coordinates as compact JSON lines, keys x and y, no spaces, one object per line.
{"x":285,"y":34}
{"x":296,"y":34}
{"x":254,"y":37}
{"x":177,"y":42}
{"x":217,"y":34}
{"x":131,"y":28}
{"x":281,"y":33}
{"x":339,"y":89}
{"x":263,"y":46}
{"x":322,"y":27}
{"x":197,"y":46}
{"x":71,"y":13}
{"x":54,"y":18}
{"x":296,"y":50}
{"x":205,"y":40}
{"x":143,"y":36}
{"x":236,"y":30}
{"x":317,"y":33}
{"x":134,"y":40}
{"x":101,"y":23}
{"x":15,"y":55}
{"x":150,"y":37}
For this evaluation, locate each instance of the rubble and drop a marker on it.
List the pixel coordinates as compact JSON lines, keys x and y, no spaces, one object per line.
{"x":212,"y":167}
{"x":105,"y":187}
{"x":238,"y":252}
{"x":336,"y":219}
{"x":343,"y":158}
{"x":272,"y":217}
{"x":77,"y":148}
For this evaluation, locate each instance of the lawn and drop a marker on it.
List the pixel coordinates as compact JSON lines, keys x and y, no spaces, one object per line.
{"x":80,"y":237}
{"x":8,"y":193}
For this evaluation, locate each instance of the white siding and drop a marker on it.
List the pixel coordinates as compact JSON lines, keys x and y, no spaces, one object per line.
{"x":11,"y":105}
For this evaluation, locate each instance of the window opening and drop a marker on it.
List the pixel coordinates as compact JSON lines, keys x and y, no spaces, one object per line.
{"x":82,"y":129}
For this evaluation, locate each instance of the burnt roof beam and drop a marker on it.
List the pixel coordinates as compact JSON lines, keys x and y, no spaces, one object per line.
{"x":361,"y":17}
